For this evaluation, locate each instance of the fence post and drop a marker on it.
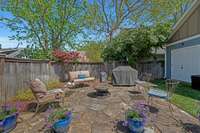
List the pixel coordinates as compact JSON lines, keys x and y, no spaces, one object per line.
{"x":2,"y":87}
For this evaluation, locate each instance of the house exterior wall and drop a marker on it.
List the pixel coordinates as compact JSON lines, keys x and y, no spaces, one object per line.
{"x":189,"y":28}
{"x":195,"y":41}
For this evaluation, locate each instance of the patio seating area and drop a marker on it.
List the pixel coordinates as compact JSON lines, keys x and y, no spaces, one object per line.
{"x":100,"y":66}
{"x":105,"y":114}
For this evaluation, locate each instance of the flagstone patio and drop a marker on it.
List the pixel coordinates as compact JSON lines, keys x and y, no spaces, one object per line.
{"x":106,"y":114}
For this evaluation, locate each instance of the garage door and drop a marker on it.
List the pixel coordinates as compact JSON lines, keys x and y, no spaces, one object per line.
{"x":185,"y":62}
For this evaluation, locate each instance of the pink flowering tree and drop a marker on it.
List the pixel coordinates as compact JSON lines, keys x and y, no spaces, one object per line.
{"x":66,"y":56}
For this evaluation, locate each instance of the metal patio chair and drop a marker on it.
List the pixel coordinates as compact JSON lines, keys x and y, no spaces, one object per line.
{"x":166,"y":95}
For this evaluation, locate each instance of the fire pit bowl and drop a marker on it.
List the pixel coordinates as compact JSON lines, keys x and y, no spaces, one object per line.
{"x":102,"y":91}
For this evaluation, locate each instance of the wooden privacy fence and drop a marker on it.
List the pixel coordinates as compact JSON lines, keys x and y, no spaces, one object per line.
{"x":156,"y":68}
{"x":14,"y":73}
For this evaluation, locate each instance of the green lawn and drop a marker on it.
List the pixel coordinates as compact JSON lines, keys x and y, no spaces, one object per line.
{"x":185,"y":97}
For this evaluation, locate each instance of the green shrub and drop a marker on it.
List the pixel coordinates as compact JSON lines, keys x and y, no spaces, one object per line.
{"x":53,"y":84}
{"x":109,"y":78}
{"x":24,"y":95}
{"x":6,"y":111}
{"x":27,"y":95}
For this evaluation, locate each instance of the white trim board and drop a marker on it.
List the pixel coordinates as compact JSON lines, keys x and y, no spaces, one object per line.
{"x":165,"y":64}
{"x":186,"y":15}
{"x":183,"y":40}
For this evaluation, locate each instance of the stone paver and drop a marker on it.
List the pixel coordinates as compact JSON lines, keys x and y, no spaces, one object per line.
{"x":80,"y":128}
{"x":105,"y":115}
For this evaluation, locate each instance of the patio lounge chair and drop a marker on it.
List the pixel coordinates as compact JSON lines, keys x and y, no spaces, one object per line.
{"x":43,"y":96}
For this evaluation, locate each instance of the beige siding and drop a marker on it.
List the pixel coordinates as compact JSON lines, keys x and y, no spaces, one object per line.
{"x":189,"y":28}
{"x":183,"y":31}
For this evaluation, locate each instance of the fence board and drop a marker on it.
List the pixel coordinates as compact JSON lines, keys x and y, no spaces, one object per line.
{"x":14,"y":73}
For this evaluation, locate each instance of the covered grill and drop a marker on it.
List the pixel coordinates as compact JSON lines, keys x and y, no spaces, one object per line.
{"x":124,"y":75}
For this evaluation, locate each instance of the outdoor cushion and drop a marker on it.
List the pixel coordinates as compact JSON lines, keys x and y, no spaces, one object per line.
{"x":84,"y":80}
{"x":58,"y":93}
{"x":74,"y":74}
{"x":38,"y":86}
{"x":81,"y":76}
{"x":50,"y":97}
{"x":158,"y":93}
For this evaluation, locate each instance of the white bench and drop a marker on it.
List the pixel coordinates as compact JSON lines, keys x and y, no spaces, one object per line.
{"x":74,"y":76}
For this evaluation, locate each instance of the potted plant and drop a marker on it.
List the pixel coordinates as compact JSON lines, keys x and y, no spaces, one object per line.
{"x":8,"y":118}
{"x":136,"y":118}
{"x":59,"y":120}
{"x":135,"y":121}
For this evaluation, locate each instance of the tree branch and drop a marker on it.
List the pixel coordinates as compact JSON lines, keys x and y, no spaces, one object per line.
{"x":105,"y":15}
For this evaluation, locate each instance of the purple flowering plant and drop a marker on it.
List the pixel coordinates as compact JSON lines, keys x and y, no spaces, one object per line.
{"x":53,"y":116}
{"x":138,"y":111}
{"x":6,"y":110}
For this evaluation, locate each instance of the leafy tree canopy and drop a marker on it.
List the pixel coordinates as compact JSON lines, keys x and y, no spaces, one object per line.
{"x":60,"y":24}
{"x":166,"y":10}
{"x":134,"y":44}
{"x":36,"y":53}
{"x":47,"y":25}
{"x":93,"y":50}
{"x":109,"y":17}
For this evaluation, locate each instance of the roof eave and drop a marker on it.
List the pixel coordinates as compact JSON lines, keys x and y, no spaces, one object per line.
{"x":186,"y":15}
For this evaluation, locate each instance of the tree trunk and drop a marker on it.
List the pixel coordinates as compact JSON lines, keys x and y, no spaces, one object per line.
{"x":110,"y":36}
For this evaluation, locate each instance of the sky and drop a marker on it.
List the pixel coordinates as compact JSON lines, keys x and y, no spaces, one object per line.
{"x":5,"y":33}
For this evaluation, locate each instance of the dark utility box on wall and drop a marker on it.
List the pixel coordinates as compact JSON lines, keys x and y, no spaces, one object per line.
{"x":195,"y":81}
